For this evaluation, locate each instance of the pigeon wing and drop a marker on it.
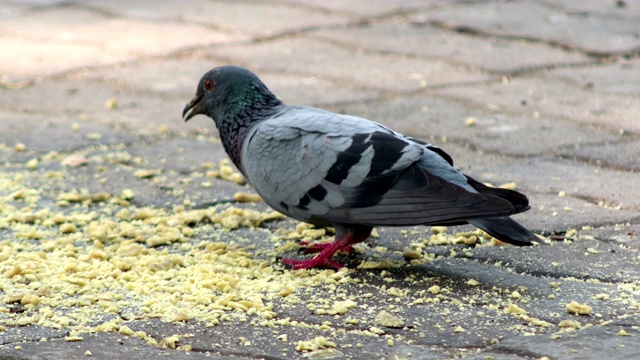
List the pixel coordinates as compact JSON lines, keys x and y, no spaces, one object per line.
{"x":327,"y":168}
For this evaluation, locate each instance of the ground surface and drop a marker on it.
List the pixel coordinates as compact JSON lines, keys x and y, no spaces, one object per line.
{"x":122,"y":230}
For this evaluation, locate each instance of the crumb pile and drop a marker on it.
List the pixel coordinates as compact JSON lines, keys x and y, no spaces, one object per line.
{"x":86,"y":261}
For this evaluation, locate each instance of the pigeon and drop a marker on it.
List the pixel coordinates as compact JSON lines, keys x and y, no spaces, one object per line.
{"x":345,"y":172}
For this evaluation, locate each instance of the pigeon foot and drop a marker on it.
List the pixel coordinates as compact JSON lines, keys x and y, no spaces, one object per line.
{"x":314,"y":247}
{"x":344,"y":239}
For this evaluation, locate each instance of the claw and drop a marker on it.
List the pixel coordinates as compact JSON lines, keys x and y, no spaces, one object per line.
{"x":344,"y":240}
{"x":311,"y":263}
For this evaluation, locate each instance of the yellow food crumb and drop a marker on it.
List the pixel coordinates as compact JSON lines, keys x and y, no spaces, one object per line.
{"x":473,"y":282}
{"x":410,"y":253}
{"x":438,"y":229}
{"x":384,"y":318}
{"x":146,"y":173}
{"x":246,"y":197}
{"x":111,"y":104}
{"x":32,"y":164}
{"x":73,"y":338}
{"x":67,"y":228}
{"x":510,"y":186}
{"x":319,"y":342}
{"x":578,"y":309}
{"x":515,"y":309}
{"x":20,"y":147}
{"x":470,"y":122}
{"x":569,"y":324}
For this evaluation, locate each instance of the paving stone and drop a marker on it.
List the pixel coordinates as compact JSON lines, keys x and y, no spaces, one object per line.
{"x":617,"y":8}
{"x":583,"y":259}
{"x":14,"y":8}
{"x":587,"y":31}
{"x":43,"y":137}
{"x":425,"y":117}
{"x":34,"y":58}
{"x":625,"y":235}
{"x":63,"y":28}
{"x":576,"y":179}
{"x":77,"y":99}
{"x":592,"y":343}
{"x":230,"y":340}
{"x":249,"y":18}
{"x":30,"y":333}
{"x":367,"y":8}
{"x":617,"y":155}
{"x":618,"y":78}
{"x":312,"y":58}
{"x":554,"y":99}
{"x":489,"y":54}
{"x":180,"y":78}
{"x":95,"y":346}
{"x":551,"y":213}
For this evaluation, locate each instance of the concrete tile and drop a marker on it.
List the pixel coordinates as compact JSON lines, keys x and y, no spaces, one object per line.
{"x":180,"y":78}
{"x":618,"y":78}
{"x":76,"y":100}
{"x":429,"y":118}
{"x":554,"y":99}
{"x":366,"y":7}
{"x":590,"y":32}
{"x":317,"y":58}
{"x":589,"y":343}
{"x":59,"y":136}
{"x":489,"y":54}
{"x":250,"y":18}
{"x":101,"y":346}
{"x":617,"y":155}
{"x":614,"y":8}
{"x":35,"y":58}
{"x":93,"y":34}
{"x":576,"y":179}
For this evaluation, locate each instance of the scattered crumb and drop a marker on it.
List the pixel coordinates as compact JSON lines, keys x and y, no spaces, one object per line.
{"x":386,"y":319}
{"x":316,"y":343}
{"x":246,"y":197}
{"x":111,"y":104}
{"x":470,"y":122}
{"x":510,"y":186}
{"x":578,"y":309}
{"x":473,"y":282}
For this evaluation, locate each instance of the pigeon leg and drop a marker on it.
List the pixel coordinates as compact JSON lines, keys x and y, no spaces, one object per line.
{"x":345,"y":237}
{"x":314,"y":247}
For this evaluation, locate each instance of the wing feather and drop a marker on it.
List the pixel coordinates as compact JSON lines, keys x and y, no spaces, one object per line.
{"x":327,"y":168}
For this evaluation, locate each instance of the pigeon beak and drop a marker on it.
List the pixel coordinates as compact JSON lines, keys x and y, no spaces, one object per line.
{"x":193,"y":108}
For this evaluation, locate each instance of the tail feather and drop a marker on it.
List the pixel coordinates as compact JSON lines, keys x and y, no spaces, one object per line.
{"x":518,"y":200}
{"x":506,"y":229}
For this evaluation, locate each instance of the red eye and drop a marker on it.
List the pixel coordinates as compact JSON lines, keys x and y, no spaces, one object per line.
{"x":208,"y":85}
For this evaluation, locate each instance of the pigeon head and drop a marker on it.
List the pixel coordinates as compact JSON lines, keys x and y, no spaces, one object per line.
{"x":235,"y":98}
{"x":230,"y":93}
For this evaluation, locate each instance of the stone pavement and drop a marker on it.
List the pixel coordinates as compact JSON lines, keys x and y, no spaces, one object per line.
{"x":114,"y":214}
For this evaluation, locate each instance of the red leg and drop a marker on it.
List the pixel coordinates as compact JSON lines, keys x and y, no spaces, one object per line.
{"x":314,"y":247}
{"x":344,"y":239}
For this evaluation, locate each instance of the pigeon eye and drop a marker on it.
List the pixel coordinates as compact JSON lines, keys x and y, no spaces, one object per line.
{"x":208,"y":85}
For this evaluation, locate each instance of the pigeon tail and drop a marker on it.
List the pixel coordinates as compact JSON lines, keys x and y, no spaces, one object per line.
{"x":505,"y":229}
